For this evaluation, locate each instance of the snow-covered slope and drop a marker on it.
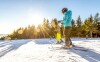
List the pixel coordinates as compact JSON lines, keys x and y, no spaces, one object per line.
{"x":5,"y":47}
{"x":45,"y":50}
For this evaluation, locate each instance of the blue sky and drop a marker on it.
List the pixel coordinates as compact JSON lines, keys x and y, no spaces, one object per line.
{"x":20,"y":13}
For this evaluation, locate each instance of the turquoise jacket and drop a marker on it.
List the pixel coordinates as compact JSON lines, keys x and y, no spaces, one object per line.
{"x":67,"y":19}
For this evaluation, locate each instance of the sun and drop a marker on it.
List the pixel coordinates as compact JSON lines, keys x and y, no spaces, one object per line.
{"x":35,"y":18}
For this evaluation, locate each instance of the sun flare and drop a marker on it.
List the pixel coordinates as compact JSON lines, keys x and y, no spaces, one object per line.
{"x":35,"y":18}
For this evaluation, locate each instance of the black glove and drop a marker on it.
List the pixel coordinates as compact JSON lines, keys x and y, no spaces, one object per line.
{"x":59,"y":21}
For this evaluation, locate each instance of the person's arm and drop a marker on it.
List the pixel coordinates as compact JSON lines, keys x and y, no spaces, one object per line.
{"x":69,"y":15}
{"x":64,"y":18}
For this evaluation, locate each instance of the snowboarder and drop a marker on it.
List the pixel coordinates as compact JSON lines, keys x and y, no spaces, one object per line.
{"x":67,"y":27}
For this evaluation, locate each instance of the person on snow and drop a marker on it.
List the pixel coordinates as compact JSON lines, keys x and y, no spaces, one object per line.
{"x":67,"y":27}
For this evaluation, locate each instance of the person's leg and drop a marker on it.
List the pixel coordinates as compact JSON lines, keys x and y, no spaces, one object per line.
{"x":68,"y":42}
{"x":71,"y":44}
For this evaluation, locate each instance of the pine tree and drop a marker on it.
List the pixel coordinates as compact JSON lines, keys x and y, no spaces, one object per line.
{"x":79,"y":24}
{"x":73,"y":23}
{"x":96,"y":19}
{"x":54,"y":24}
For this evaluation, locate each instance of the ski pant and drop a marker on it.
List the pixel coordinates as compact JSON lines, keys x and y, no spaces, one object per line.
{"x":66,"y":33}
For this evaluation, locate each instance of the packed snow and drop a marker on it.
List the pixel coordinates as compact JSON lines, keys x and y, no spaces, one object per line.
{"x":46,"y":50}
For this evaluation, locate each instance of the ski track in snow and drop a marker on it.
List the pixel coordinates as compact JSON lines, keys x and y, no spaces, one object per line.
{"x":45,"y":50}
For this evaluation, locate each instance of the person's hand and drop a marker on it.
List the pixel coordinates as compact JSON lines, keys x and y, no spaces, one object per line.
{"x":59,"y":21}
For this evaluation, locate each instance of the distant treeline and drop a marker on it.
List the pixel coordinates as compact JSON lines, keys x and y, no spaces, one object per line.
{"x":87,"y":28}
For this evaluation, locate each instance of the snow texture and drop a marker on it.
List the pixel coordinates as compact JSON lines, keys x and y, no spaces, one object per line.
{"x":45,"y":50}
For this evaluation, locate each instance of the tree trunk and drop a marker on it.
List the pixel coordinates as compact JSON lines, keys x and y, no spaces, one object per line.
{"x":90,"y":33}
